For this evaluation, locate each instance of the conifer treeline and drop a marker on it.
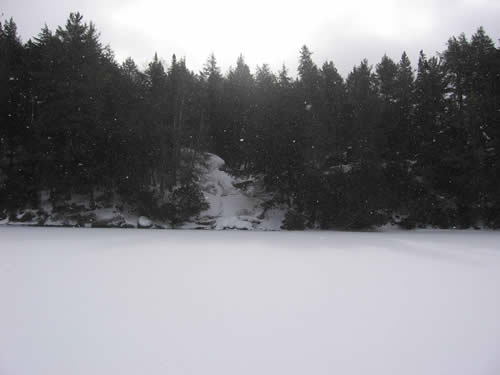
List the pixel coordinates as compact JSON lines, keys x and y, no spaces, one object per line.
{"x":349,"y":153}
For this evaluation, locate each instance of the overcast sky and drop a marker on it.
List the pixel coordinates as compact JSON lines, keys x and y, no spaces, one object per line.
{"x":266,"y":31}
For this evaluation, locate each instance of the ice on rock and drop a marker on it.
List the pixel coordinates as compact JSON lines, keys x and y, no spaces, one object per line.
{"x":231,"y":207}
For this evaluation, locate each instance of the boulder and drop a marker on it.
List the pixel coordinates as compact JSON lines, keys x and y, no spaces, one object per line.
{"x":144,"y":222}
{"x":112,"y":222}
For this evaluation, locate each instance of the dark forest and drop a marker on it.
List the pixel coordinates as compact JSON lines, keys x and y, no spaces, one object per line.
{"x":391,"y":143}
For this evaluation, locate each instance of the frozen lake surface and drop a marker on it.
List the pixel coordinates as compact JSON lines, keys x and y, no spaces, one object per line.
{"x":111,"y":301}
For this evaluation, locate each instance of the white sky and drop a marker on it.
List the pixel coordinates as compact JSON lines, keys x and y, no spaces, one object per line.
{"x":266,"y":31}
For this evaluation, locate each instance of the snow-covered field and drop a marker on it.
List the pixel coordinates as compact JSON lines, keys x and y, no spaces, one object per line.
{"x":112,"y":301}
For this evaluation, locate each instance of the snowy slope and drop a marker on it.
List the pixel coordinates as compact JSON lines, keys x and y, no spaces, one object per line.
{"x":232,"y":207}
{"x":113,"y":301}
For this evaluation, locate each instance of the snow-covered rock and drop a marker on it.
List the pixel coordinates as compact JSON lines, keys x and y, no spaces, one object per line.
{"x":104,"y":221}
{"x":144,"y":222}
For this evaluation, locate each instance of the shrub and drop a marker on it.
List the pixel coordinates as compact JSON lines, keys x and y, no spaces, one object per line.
{"x":294,"y":221}
{"x":186,"y":201}
{"x":181,"y":204}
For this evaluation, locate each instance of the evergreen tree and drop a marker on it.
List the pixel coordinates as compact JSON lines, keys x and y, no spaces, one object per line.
{"x":161,"y":128}
{"x":334,"y":97}
{"x":211,"y":118}
{"x":404,"y":91}
{"x":386,"y":75}
{"x":17,"y":184}
{"x":362,"y":118}
{"x":238,"y":99}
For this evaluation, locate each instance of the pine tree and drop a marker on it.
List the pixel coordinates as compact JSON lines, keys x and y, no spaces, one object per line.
{"x":429,"y":105}
{"x":16,"y":127}
{"x":333,"y":111}
{"x":265,"y":123}
{"x":386,"y":75}
{"x":161,"y":127}
{"x":404,"y":91}
{"x":212,"y":98}
{"x":308,"y":73}
{"x":284,"y":79}
{"x":363,"y":103}
{"x":239,"y":101}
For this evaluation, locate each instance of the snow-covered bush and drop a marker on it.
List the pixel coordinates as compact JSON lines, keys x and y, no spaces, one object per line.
{"x":186,"y":201}
{"x":179,"y":205}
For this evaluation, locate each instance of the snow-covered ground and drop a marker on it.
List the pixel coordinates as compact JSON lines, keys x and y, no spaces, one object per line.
{"x":112,"y":301}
